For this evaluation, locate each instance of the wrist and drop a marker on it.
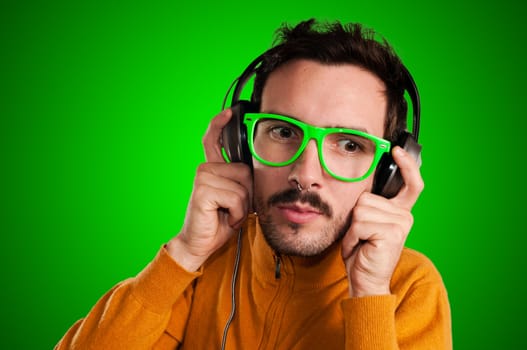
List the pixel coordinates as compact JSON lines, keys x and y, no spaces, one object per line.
{"x":359,"y":292}
{"x":179,"y":251}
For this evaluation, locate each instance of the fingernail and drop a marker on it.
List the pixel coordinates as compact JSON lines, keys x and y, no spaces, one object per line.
{"x":400,"y":152}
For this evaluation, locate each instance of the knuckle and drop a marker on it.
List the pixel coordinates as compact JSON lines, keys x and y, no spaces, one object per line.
{"x":399,"y":231}
{"x":206,"y":139}
{"x":203,"y":167}
{"x":236,"y":198}
{"x":243,"y":174}
{"x":199,"y":191}
{"x":420,"y":184}
{"x":201,"y":177}
{"x":244,"y":195}
{"x":403,"y":225}
{"x":236,"y":205}
{"x":356,"y":227}
{"x":409,"y":219}
{"x":359,"y":212}
{"x":362,"y":201}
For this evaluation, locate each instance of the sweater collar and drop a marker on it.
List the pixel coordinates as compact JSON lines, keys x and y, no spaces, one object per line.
{"x":306,"y":273}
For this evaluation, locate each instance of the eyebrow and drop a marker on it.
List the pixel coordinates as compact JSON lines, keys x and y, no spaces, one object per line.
{"x":358,"y":128}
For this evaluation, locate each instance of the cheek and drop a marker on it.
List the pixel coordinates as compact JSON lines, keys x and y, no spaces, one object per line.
{"x":347,"y":194}
{"x":269,"y":180}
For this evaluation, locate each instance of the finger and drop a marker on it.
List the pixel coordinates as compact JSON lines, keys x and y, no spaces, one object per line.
{"x":212,"y":198}
{"x":212,"y":138}
{"x":373,"y":207}
{"x":227,"y":202}
{"x":235,"y":205}
{"x":223,"y":184}
{"x":349,"y":244}
{"x":394,"y":214}
{"x":376,"y":234}
{"x":237,"y":172}
{"x":413,"y":182}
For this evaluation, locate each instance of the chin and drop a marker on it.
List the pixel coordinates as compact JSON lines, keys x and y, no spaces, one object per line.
{"x":301,"y":240}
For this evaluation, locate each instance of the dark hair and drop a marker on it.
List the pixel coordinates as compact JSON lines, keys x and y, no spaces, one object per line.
{"x":334,"y":43}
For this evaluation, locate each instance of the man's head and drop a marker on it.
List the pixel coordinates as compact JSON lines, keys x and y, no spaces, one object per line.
{"x":335,"y":44}
{"x":337,"y":77}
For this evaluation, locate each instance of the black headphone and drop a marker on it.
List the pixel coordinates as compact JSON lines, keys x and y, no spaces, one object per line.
{"x":387,"y":180}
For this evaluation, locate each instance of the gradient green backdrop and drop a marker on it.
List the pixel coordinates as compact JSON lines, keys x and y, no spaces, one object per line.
{"x":102,"y":109}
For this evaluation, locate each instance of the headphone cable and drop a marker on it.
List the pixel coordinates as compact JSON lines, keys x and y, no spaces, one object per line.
{"x":233,"y":290}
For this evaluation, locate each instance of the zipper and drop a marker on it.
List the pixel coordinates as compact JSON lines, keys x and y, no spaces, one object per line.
{"x":278,"y":265}
{"x":273,"y":320}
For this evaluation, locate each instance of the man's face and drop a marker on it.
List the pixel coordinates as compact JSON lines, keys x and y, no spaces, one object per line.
{"x":307,"y":222}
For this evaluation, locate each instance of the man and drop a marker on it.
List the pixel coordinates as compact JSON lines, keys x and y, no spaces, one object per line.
{"x":321,"y":264}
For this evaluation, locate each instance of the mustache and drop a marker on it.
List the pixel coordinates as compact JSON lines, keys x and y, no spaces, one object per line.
{"x":293,"y":195}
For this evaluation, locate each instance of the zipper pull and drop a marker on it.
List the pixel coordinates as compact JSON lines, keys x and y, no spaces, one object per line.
{"x":277,"y":273}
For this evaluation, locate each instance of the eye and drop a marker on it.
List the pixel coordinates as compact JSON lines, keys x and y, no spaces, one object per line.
{"x":282,"y":132}
{"x":349,"y":146}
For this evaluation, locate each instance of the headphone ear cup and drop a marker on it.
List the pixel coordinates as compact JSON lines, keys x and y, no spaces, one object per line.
{"x":388,"y":180}
{"x":234,"y":134}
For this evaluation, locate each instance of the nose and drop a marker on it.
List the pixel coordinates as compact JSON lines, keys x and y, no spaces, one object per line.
{"x":307,"y":171}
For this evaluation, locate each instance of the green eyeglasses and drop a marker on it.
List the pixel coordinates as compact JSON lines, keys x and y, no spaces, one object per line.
{"x":346,"y":154}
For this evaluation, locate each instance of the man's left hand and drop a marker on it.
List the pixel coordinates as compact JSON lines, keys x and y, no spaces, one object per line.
{"x":372,"y":246}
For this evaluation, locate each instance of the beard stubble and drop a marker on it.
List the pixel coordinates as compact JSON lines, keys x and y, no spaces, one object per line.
{"x":297,"y":241}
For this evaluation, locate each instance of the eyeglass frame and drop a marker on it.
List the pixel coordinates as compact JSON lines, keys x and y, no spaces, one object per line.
{"x":311,"y":132}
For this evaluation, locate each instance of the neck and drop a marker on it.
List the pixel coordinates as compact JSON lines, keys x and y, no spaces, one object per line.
{"x":308,"y":272}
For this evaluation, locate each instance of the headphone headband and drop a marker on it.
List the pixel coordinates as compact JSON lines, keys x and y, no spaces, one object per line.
{"x":245,"y":76}
{"x":411,"y":88}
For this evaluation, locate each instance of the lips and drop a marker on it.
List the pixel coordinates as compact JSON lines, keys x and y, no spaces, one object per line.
{"x":299,"y":214}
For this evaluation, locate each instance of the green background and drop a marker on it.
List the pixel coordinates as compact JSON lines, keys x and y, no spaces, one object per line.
{"x":103,"y":106}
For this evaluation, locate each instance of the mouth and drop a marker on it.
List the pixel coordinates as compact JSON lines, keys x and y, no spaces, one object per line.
{"x":299,"y":214}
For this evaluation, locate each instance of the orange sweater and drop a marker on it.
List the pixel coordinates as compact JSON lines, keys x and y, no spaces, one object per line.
{"x":307,"y":307}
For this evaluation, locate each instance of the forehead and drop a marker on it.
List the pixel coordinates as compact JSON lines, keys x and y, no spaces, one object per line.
{"x":341,"y":95}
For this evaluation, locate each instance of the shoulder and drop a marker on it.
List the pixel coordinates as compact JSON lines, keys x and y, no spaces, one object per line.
{"x":412,"y":260}
{"x":415,"y":270}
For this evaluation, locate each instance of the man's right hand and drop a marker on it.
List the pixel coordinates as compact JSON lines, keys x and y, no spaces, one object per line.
{"x":219,"y":204}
